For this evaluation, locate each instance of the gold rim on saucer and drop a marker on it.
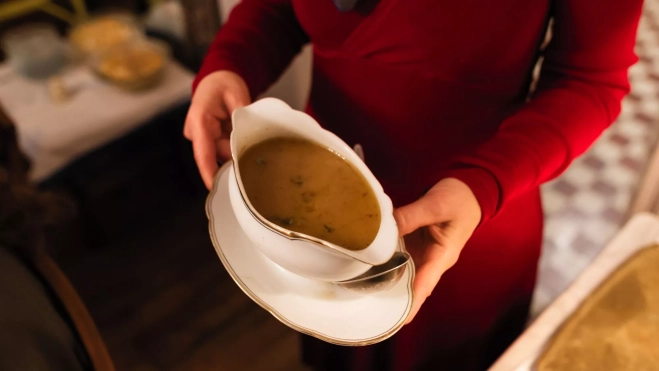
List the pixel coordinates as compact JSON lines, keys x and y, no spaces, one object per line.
{"x":389,"y":333}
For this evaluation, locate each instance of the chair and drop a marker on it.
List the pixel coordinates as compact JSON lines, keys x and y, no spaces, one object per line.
{"x":16,"y":8}
{"x":76,"y":311}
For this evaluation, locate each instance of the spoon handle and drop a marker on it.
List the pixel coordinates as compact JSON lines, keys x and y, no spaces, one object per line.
{"x":345,"y":5}
{"x":359,"y":151}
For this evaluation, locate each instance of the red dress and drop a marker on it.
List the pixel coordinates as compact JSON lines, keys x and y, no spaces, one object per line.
{"x":438,"y":88}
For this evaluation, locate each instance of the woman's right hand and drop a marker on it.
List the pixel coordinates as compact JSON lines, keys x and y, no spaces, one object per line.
{"x":208,"y":124}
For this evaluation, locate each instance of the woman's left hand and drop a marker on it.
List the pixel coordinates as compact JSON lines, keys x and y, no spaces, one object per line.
{"x":437,"y":226}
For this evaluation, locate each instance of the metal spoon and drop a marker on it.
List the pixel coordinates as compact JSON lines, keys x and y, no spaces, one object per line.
{"x":345,"y":5}
{"x":380,"y":277}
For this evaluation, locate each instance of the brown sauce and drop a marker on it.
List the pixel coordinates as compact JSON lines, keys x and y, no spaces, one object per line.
{"x":309,"y":189}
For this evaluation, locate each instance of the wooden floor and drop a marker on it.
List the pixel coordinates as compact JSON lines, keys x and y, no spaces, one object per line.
{"x":163,"y":301}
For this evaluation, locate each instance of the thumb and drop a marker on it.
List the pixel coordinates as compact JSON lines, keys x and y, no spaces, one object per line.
{"x":235,"y":98}
{"x":423,"y":212}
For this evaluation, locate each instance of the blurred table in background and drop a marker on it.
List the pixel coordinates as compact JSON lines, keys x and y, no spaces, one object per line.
{"x":54,"y":134}
{"x":118,"y":155}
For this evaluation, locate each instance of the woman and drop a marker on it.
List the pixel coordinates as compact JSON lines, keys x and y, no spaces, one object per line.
{"x":435,"y":91}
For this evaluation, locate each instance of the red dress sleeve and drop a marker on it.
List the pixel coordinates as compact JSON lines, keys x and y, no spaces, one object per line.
{"x":582,"y":83}
{"x":258,"y":42}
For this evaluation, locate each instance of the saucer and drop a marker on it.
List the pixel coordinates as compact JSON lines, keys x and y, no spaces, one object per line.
{"x":320,"y":309}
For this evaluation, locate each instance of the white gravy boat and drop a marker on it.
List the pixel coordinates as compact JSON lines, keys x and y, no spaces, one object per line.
{"x":296,"y":252}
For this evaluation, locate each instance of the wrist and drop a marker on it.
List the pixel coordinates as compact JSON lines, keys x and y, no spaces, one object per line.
{"x":211,"y":68}
{"x":483,"y":186}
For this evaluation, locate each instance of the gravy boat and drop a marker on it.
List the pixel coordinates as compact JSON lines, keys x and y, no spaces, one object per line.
{"x":299,"y":253}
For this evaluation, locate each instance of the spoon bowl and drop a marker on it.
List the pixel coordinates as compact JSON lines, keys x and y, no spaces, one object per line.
{"x":380,"y":277}
{"x":299,"y":253}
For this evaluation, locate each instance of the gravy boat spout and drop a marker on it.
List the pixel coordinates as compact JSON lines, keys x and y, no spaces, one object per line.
{"x":299,"y":253}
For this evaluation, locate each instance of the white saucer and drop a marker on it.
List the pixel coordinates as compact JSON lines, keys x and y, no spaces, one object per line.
{"x":319,"y":309}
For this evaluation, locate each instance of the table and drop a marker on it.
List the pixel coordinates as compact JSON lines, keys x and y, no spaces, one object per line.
{"x":55,"y":134}
{"x":641,"y":231}
{"x":647,"y":194}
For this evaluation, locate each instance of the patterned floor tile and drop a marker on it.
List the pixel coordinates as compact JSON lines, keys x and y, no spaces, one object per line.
{"x":586,"y":206}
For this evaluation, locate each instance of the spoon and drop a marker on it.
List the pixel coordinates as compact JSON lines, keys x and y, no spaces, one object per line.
{"x":380,"y":277}
{"x":345,"y":5}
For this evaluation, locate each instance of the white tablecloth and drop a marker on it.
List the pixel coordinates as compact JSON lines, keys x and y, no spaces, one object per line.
{"x":53,"y":134}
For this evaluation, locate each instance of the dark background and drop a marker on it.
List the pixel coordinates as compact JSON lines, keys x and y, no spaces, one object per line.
{"x":139,"y":253}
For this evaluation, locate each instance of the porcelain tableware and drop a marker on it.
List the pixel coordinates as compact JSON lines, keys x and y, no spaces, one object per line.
{"x":380,"y":277}
{"x":299,"y":253}
{"x":320,"y":309}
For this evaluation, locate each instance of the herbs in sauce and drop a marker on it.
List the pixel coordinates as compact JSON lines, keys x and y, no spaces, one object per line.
{"x":306,"y":188}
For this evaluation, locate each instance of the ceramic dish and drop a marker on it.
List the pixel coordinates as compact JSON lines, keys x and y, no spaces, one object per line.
{"x":299,"y":253}
{"x":104,"y":31}
{"x":136,"y":65}
{"x":35,"y":50}
{"x":316,"y":308}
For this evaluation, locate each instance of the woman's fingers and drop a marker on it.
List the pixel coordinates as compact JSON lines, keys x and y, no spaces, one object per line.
{"x":425,"y":211}
{"x":427,"y":277}
{"x":428,"y":273}
{"x":416,"y":305}
{"x":202,"y":127}
{"x":437,"y":227}
{"x":208,"y":122}
{"x":234,"y":98}
{"x":224,"y":149}
{"x":431,"y":263}
{"x":205,"y":154}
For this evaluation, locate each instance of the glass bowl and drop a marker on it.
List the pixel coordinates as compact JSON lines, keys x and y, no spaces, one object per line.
{"x":35,"y":50}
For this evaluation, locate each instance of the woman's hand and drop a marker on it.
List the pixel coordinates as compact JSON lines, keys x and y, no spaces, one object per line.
{"x":208,"y":124}
{"x":436,"y":227}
